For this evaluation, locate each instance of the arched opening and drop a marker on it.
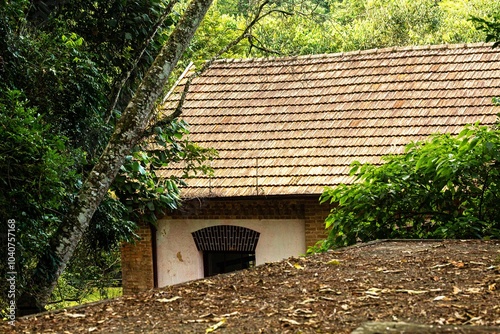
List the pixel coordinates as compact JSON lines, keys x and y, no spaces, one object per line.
{"x":226,"y":248}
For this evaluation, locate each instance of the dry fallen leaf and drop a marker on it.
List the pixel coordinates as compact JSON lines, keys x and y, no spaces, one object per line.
{"x":327,"y":298}
{"x":304,"y":313}
{"x":473,"y":319}
{"x":262,"y":294}
{"x":373,"y":291}
{"x":216,"y":326}
{"x":477,"y":263}
{"x":334,"y":262}
{"x":75,"y":315}
{"x":168,"y":300}
{"x":459,"y":316}
{"x":440,"y":266}
{"x":230,"y":314}
{"x":412,"y":292}
{"x":307,"y":301}
{"x":290,"y":321}
{"x":295,"y":265}
{"x":441,"y":298}
{"x":330,"y":291}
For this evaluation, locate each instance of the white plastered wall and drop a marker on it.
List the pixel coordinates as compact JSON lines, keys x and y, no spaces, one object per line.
{"x":178,"y":259}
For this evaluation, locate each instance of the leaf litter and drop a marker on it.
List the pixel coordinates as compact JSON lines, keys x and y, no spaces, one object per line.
{"x":426,"y":282}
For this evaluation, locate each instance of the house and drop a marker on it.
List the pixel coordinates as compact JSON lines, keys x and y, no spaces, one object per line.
{"x":287,"y":127}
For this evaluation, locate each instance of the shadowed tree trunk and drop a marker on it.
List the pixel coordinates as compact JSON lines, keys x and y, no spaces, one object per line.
{"x":128,"y":131}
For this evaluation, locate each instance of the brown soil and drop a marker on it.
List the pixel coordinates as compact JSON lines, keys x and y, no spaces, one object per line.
{"x":449,"y":282}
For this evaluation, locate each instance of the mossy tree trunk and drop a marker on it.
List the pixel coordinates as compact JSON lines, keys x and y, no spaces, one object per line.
{"x":128,"y":131}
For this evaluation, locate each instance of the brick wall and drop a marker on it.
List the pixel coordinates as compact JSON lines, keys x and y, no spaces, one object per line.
{"x":307,"y":208}
{"x":137,"y":259}
{"x":314,"y":216}
{"x":137,"y":263}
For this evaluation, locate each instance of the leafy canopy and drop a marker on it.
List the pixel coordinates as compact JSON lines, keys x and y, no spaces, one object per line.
{"x":447,"y":187}
{"x":490,"y":26}
{"x":298,"y":27}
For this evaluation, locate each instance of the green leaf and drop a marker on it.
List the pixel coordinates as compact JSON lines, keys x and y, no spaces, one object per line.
{"x":137,"y":167}
{"x":355,"y":167}
{"x":473,"y":143}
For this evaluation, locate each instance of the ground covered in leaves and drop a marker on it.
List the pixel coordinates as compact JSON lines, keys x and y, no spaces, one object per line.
{"x":448,"y":282}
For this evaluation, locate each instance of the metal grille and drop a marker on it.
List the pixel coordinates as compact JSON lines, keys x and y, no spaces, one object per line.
{"x":226,"y":238}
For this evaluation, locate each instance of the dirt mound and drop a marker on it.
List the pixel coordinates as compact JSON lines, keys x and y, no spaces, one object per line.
{"x":426,"y":282}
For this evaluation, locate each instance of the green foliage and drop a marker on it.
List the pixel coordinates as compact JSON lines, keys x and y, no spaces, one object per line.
{"x":447,"y":187}
{"x":37,"y":180}
{"x":55,"y":64}
{"x":61,"y":65}
{"x":100,"y":279}
{"x":217,"y":30}
{"x":386,"y":23}
{"x":142,"y":188}
{"x":117,"y":36}
{"x":92,"y":295}
{"x":295,"y":34}
{"x":301,"y":27}
{"x":491,"y":26}
{"x":382,"y":23}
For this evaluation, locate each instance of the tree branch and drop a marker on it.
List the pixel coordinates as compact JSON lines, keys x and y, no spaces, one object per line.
{"x":178,"y":110}
{"x":261,"y":48}
{"x":117,"y":88}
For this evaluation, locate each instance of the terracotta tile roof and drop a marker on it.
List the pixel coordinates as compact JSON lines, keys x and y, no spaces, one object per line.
{"x":293,"y":125}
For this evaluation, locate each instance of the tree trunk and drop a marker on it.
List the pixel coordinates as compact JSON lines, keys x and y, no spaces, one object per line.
{"x":128,"y":131}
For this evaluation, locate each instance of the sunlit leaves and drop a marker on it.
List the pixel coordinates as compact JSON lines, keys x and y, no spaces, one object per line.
{"x":490,"y":26}
{"x":360,"y":24}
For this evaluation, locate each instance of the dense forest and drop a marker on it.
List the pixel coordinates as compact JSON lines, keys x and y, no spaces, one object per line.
{"x":315,"y":26}
{"x":68,"y":70}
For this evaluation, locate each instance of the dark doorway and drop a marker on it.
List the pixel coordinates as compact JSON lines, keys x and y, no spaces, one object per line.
{"x":226,"y":248}
{"x":224,"y":262}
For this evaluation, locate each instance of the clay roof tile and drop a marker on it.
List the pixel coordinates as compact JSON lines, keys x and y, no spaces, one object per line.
{"x":294,"y":125}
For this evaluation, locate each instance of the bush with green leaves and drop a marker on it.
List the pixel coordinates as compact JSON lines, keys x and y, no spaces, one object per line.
{"x":37,"y":182}
{"x":446,"y":187}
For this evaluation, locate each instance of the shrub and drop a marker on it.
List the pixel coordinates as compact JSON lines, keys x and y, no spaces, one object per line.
{"x":446,"y":187}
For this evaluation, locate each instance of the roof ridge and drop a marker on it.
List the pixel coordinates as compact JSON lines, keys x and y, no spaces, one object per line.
{"x":391,"y":49}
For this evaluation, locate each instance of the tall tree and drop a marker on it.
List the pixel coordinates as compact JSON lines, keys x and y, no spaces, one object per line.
{"x":491,"y":26}
{"x":128,"y":131}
